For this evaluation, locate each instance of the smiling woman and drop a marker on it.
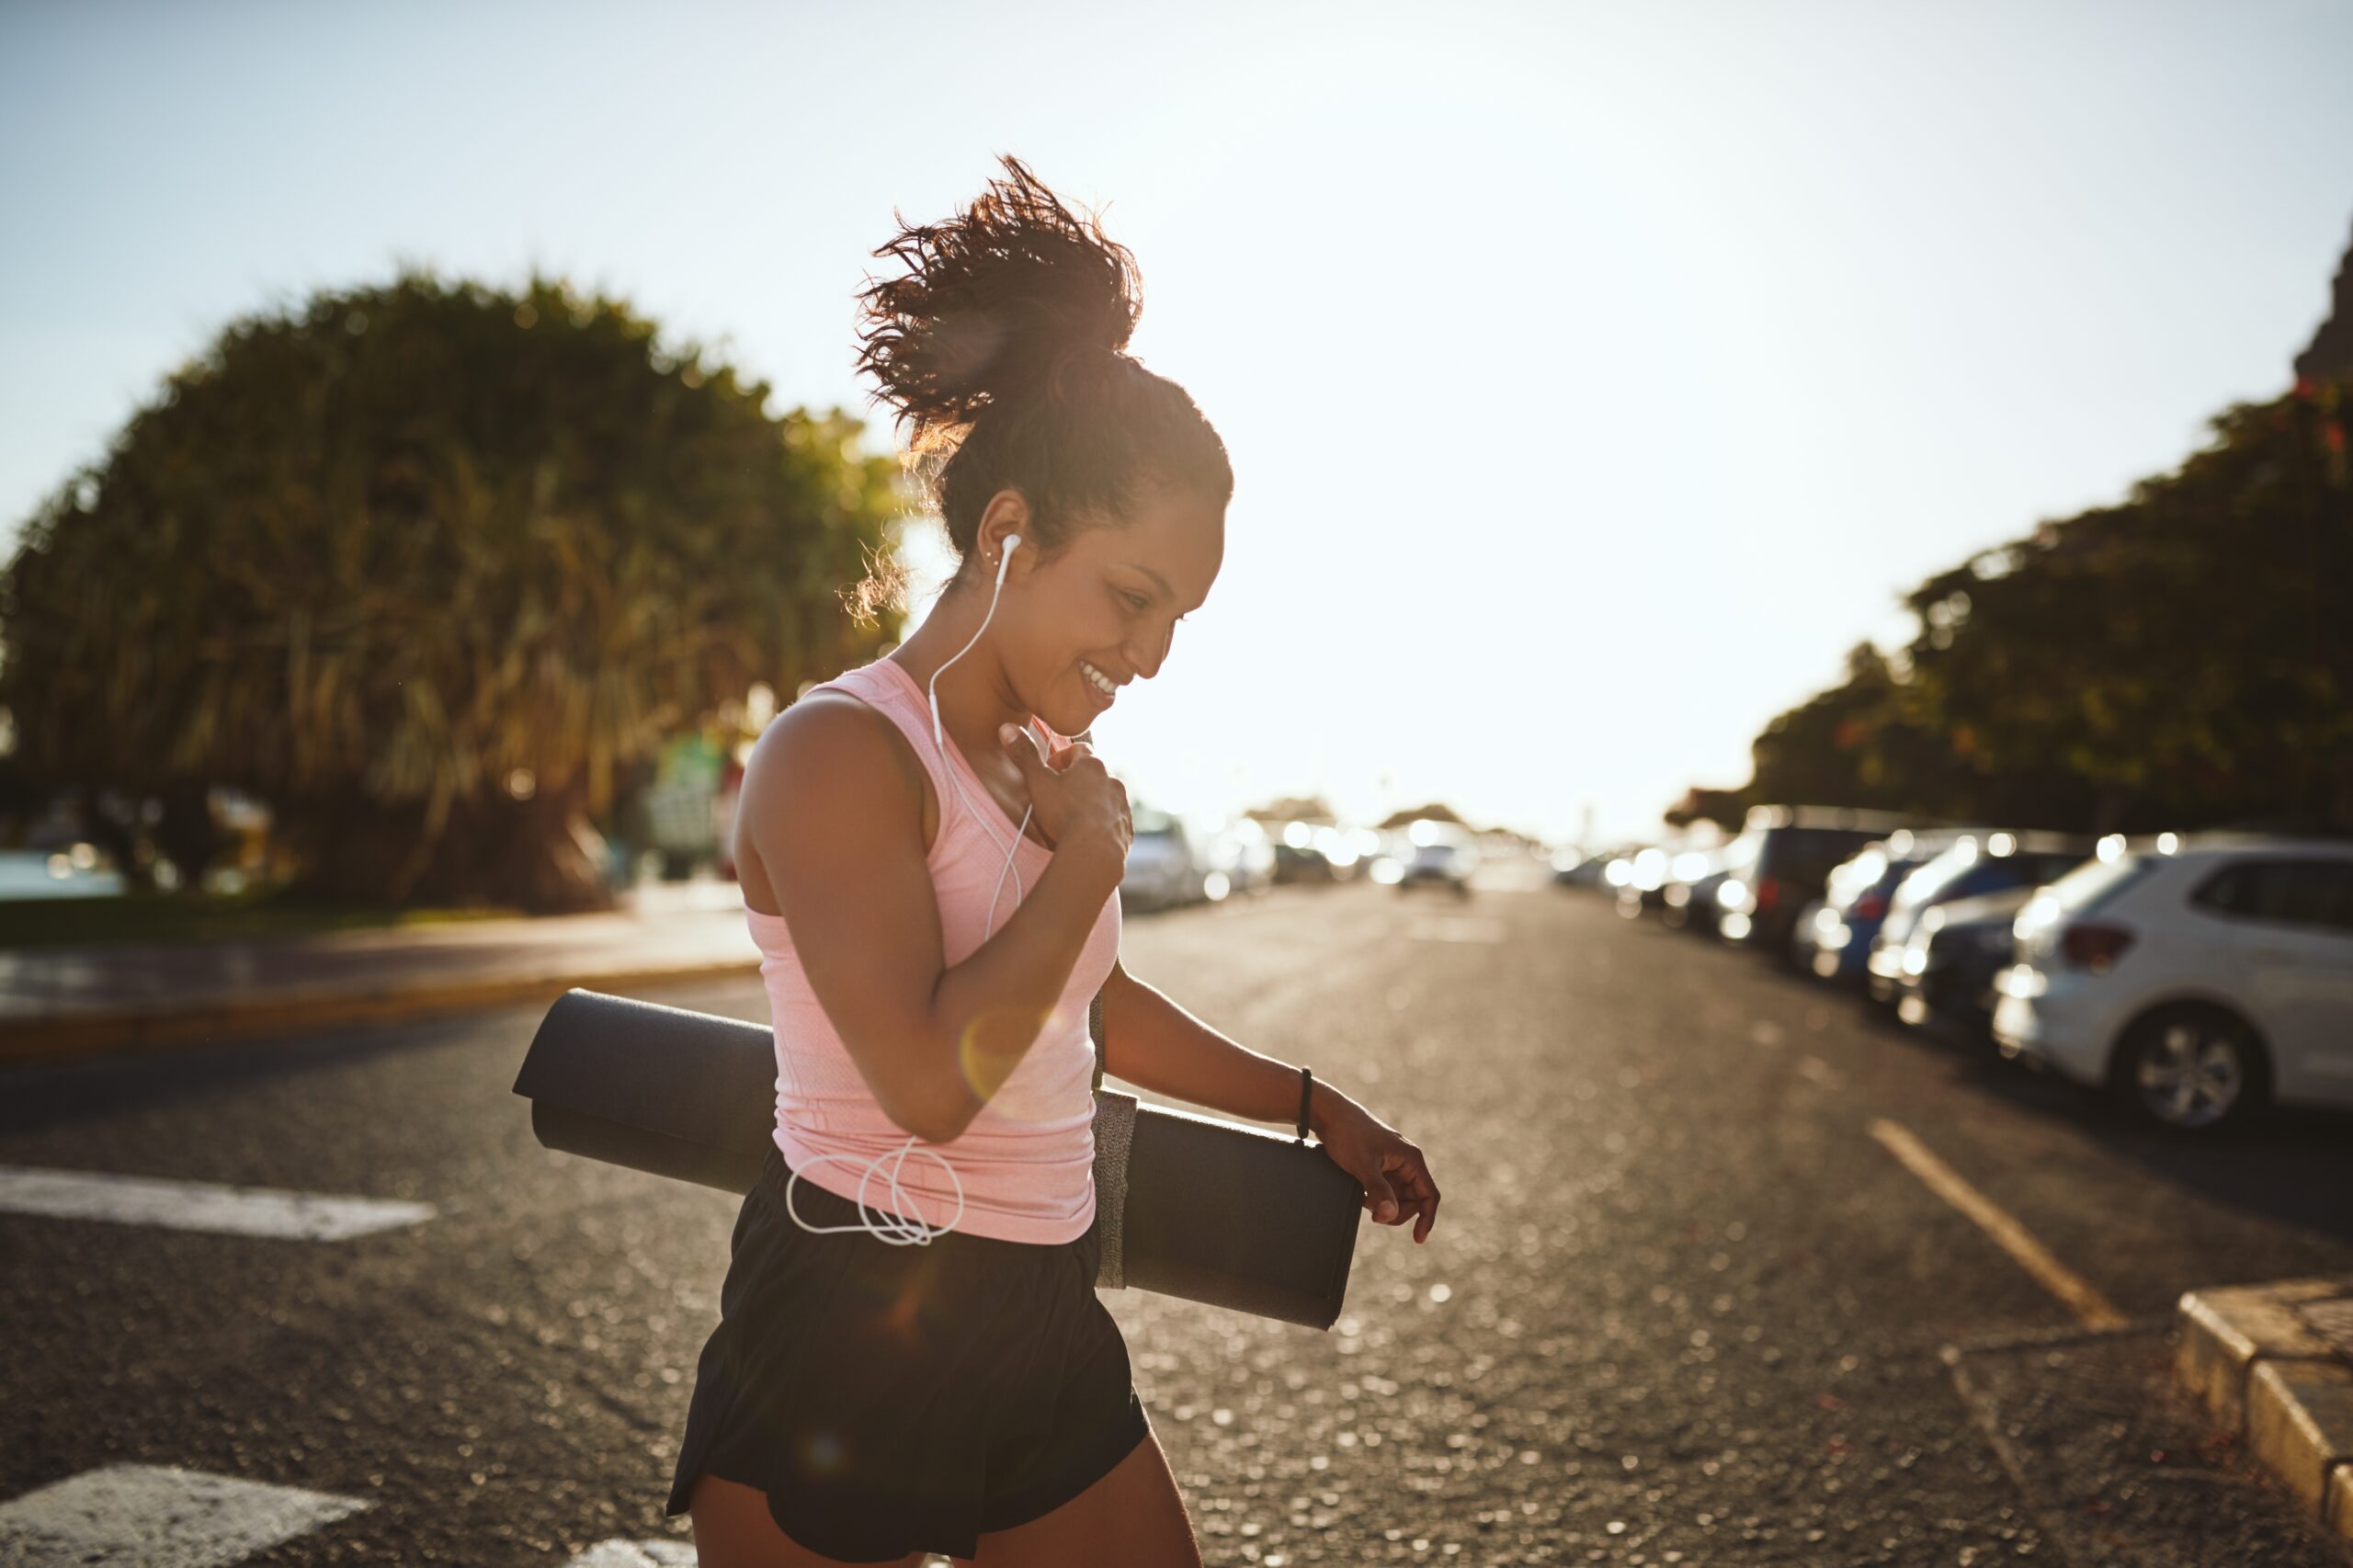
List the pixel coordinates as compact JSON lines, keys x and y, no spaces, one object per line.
{"x":911,"y":1355}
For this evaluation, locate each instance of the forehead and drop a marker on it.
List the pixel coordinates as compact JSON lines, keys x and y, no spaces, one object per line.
{"x":1180,"y":538}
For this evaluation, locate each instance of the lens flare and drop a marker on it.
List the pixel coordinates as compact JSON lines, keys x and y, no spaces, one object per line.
{"x":994,"y":1047}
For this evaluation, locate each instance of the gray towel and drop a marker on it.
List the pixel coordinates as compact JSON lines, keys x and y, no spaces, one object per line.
{"x":1115,"y":1131}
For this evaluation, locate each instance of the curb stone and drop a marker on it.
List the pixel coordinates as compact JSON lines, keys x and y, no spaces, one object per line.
{"x":2275,"y":1362}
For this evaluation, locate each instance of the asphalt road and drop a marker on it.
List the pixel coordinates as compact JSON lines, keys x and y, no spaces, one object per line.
{"x":1683,"y":1303}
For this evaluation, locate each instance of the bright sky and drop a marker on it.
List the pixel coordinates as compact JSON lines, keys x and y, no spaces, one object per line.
{"x":1594,"y":375}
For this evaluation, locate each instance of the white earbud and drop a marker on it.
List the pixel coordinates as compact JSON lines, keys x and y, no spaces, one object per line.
{"x":899,"y":1227}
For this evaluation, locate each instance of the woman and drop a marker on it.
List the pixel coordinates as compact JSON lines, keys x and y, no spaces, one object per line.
{"x":911,"y":1355}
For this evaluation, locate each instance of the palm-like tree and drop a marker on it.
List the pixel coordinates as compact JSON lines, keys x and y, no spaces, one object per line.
{"x":428,"y":567}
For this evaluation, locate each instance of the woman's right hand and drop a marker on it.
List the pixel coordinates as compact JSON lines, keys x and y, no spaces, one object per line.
{"x":1072,"y":796}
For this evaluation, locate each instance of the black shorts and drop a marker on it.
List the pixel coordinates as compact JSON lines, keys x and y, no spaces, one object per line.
{"x":891,"y":1399}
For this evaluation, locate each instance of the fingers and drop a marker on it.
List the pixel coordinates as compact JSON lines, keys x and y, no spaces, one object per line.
{"x":1421,"y":1192}
{"x":1381,"y":1199}
{"x":1022,"y":742}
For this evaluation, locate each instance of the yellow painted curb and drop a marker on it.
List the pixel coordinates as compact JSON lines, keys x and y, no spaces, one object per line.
{"x":103,"y":1034}
{"x":2279,"y":1385}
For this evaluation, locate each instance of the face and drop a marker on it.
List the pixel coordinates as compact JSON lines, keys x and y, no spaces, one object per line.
{"x":1111,"y":599}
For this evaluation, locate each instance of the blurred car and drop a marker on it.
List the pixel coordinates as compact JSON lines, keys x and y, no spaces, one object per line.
{"x":1788,"y":852}
{"x":1322,"y":852}
{"x":2194,"y":978}
{"x":1951,"y":959}
{"x":1575,"y":869}
{"x":1167,"y":862}
{"x":1834,"y":935}
{"x":1688,"y":895}
{"x":1242,"y":860}
{"x":1642,"y":888}
{"x":1301,"y":863}
{"x":1975,"y":863}
{"x":1437,"y":852}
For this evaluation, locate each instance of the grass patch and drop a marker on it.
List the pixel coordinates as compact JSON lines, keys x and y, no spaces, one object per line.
{"x":182,"y":917}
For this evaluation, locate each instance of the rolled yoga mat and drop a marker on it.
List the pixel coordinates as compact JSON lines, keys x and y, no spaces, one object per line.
{"x":1190,"y":1205}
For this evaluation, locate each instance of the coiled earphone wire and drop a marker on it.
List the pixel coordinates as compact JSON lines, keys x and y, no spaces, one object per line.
{"x":896,"y":1225}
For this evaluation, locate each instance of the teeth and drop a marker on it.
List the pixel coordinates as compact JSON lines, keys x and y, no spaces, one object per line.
{"x":1102,"y":684}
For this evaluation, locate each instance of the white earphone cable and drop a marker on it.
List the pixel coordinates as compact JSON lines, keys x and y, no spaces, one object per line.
{"x":896,"y":1226}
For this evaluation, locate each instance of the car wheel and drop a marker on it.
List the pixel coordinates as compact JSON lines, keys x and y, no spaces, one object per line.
{"x":2191,"y":1069}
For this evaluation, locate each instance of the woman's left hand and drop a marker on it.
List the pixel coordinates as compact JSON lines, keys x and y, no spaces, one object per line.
{"x":1395,"y":1177}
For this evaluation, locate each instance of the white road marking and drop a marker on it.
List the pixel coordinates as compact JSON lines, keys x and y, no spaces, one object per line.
{"x":655,"y":1554}
{"x":199,"y":1205}
{"x":2087,"y":1305}
{"x":636,"y":1554}
{"x":1442,"y":928}
{"x":1822,"y":1073}
{"x":137,"y":1516}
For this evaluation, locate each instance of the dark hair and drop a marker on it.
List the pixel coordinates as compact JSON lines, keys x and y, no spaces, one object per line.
{"x":1002,"y":349}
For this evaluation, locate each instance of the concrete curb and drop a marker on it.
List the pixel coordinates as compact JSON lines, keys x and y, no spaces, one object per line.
{"x":2262,"y":1359}
{"x":286,"y":1012}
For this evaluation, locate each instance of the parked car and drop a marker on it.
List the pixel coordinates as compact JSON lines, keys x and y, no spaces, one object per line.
{"x":1951,"y":959}
{"x":1241,"y":858}
{"x":1301,"y":863}
{"x":1575,"y":869}
{"x":1788,"y":851}
{"x":2195,"y":979}
{"x":1437,"y":852}
{"x":1976,"y":863}
{"x":1641,"y":887}
{"x":1834,"y":936}
{"x":1167,"y":862}
{"x":1688,"y":895}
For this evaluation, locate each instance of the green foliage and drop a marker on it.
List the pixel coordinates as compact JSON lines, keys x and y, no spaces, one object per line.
{"x":2180,"y":659}
{"x":371,"y":558}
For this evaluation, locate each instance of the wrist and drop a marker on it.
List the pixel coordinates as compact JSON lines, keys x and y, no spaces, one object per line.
{"x":1326,"y":1109}
{"x":1108,"y":858}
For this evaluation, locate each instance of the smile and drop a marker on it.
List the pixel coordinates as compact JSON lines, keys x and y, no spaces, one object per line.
{"x":1102,"y":684}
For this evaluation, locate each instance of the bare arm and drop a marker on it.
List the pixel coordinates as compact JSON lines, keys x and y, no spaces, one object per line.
{"x":1151,"y":1042}
{"x":832,"y":805}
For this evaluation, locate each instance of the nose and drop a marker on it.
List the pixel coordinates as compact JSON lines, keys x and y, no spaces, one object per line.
{"x":1150,"y":667}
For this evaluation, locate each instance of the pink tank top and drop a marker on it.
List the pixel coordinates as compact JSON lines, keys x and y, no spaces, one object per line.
{"x":1026,"y":1160}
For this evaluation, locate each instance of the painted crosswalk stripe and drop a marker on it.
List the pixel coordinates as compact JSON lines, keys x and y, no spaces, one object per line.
{"x":636,"y":1554}
{"x":199,"y":1205}
{"x":158,"y":1515}
{"x":663,"y":1554}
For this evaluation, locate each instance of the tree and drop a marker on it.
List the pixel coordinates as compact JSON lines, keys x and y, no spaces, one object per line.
{"x":427,"y":566}
{"x":2178,"y":660}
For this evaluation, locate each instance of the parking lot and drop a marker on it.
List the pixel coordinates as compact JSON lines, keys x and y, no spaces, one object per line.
{"x":1730,"y":1270}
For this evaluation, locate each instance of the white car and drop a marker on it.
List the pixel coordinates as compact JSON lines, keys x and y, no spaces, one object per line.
{"x":2195,"y":977}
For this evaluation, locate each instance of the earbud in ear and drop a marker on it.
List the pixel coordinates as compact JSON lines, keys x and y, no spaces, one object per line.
{"x":1012,"y":543}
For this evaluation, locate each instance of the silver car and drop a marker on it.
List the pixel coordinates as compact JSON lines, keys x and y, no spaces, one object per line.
{"x":1167,"y":862}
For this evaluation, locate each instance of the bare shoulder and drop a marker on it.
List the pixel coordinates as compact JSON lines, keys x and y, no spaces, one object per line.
{"x":830,"y":769}
{"x":830,"y":829}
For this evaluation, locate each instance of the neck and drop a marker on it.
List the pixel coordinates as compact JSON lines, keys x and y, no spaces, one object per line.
{"x":974,"y":695}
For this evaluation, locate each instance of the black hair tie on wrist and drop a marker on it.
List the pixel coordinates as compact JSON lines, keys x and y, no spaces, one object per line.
{"x":1306,"y":1087}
